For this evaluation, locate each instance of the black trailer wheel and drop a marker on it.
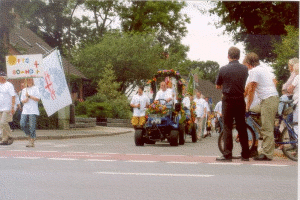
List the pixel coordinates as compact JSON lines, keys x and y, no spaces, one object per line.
{"x":138,"y":137}
{"x":181,"y":134}
{"x":174,"y":138}
{"x":194,"y":133}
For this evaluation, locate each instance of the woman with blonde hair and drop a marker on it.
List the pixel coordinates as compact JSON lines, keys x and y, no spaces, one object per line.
{"x":294,"y":89}
{"x":30,"y":97}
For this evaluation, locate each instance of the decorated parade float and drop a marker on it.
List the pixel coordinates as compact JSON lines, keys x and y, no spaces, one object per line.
{"x":163,"y":121}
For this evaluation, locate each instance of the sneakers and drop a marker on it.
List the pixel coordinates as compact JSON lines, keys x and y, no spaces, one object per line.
{"x":9,"y":141}
{"x":31,"y":143}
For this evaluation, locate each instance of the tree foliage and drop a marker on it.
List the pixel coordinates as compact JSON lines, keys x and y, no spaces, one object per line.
{"x":207,"y":70}
{"x":287,"y":49}
{"x":162,"y":17}
{"x":134,"y":57}
{"x":257,"y":24}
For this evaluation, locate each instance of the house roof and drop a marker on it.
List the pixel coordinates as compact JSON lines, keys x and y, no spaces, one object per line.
{"x":27,"y":42}
{"x":208,"y":89}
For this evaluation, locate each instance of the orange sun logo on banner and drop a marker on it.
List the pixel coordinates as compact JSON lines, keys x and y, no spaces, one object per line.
{"x":12,"y":60}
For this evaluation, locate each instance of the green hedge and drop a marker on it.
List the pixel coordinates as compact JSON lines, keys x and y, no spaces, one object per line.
{"x":45,"y":122}
{"x":99,"y":107}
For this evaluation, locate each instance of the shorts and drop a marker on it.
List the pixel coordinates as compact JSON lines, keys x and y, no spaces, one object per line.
{"x":135,"y":121}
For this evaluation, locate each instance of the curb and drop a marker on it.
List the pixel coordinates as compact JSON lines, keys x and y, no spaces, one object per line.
{"x":73,"y":136}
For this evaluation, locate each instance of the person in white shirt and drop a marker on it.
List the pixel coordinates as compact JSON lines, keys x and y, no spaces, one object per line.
{"x":16,"y":118}
{"x":218,"y":111}
{"x":171,"y":90}
{"x":164,"y":94}
{"x":186,"y":102}
{"x":286,"y":94}
{"x":30,"y":97}
{"x":207,"y":113}
{"x":262,"y":81}
{"x":200,"y":112}
{"x":7,"y":109}
{"x":294,"y":89}
{"x":139,"y":104}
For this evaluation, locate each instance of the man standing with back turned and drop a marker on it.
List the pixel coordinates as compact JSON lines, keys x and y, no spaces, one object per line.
{"x":232,"y":79}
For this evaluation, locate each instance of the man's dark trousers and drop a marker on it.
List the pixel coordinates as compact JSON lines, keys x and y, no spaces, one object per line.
{"x":234,"y":108}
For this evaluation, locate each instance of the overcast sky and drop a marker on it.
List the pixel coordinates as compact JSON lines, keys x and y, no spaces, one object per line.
{"x":206,"y":42}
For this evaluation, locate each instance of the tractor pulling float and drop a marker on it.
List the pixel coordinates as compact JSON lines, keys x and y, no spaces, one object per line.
{"x":165,"y":122}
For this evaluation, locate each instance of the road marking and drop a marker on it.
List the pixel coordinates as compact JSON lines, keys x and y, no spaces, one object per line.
{"x":62,"y":159}
{"x":171,"y":155}
{"x":108,"y":153}
{"x":155,"y":174}
{"x":194,"y":163}
{"x":100,"y":160}
{"x":3,"y":157}
{"x":271,"y":165}
{"x":142,"y":161}
{"x":47,"y":151}
{"x":89,"y":156}
{"x":31,"y":158}
{"x":17,"y":150}
{"x":61,"y":145}
{"x":225,"y":163}
{"x":74,"y":152}
{"x":139,"y":154}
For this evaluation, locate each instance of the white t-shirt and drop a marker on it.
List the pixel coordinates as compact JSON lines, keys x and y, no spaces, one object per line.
{"x":207,"y":106}
{"x":186,"y":102}
{"x":17,"y":102}
{"x":163,"y":95}
{"x":143,"y":100}
{"x":7,"y":91}
{"x":218,"y":108}
{"x":264,"y":79}
{"x":200,"y":105}
{"x":296,"y":89}
{"x":256,"y":100}
{"x":31,"y":107}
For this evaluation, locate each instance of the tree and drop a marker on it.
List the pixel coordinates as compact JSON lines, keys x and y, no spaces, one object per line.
{"x":207,"y":70}
{"x":162,"y":17}
{"x":104,"y":14}
{"x":134,"y":57}
{"x":257,"y":24}
{"x":287,"y":49}
{"x":6,"y":23}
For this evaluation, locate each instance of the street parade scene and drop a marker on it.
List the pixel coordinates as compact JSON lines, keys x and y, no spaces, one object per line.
{"x":149,"y":99}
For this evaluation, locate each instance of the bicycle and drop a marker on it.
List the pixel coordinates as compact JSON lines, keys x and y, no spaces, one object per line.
{"x":287,"y":139}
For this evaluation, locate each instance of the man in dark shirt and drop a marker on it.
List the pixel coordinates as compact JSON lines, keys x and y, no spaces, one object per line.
{"x":232,"y":79}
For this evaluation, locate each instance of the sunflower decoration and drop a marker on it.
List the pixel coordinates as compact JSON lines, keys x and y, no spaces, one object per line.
{"x":12,"y":60}
{"x":157,"y":108}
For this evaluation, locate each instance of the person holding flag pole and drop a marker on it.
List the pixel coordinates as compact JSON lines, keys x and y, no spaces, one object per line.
{"x":30,"y":98}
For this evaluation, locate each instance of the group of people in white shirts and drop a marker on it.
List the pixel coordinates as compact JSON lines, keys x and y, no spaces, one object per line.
{"x":10,"y":102}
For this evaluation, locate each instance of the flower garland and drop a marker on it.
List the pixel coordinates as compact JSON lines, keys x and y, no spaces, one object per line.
{"x":156,"y":108}
{"x":172,"y":73}
{"x":193,"y":112}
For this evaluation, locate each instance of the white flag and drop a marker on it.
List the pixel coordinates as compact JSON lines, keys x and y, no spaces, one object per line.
{"x":53,"y":87}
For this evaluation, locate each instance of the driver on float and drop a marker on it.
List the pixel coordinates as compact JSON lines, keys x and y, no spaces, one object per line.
{"x":163,"y":94}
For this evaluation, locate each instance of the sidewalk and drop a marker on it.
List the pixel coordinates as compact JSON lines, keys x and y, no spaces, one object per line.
{"x":73,"y":133}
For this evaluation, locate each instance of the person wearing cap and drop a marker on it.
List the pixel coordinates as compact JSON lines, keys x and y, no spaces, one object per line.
{"x":7,"y":109}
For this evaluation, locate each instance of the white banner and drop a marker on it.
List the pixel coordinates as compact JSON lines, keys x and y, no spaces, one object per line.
{"x":24,"y":66}
{"x":53,"y":87}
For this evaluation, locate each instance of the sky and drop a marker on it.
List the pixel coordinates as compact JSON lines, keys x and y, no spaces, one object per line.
{"x":206,"y":42}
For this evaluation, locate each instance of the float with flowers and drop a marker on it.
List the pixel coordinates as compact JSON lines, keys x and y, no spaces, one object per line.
{"x":164,"y":122}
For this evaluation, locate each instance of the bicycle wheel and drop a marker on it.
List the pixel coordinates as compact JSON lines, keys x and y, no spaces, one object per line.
{"x":290,"y":149}
{"x":237,"y":149}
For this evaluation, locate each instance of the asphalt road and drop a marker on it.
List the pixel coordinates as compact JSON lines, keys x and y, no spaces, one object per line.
{"x":114,"y":168}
